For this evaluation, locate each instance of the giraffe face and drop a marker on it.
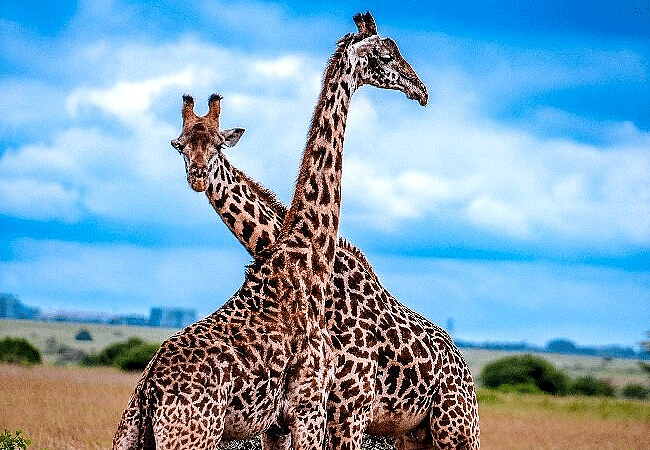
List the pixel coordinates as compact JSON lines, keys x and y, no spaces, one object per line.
{"x":201,"y":140}
{"x":381,"y":64}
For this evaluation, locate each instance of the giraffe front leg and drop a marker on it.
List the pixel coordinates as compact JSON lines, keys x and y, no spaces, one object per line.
{"x":345,"y":435}
{"x":183,"y":425}
{"x":306,"y":416}
{"x":305,"y":412}
{"x":454,"y":421}
{"x":350,"y":404}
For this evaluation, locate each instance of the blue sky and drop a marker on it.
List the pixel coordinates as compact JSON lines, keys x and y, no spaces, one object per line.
{"x":517,"y":202}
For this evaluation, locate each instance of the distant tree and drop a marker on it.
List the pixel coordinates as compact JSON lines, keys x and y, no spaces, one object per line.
{"x":18,"y":351}
{"x":137,"y":358}
{"x":562,"y":346}
{"x":84,"y":335}
{"x":592,"y":387}
{"x":636,"y":391}
{"x":108,"y":356}
{"x":525,"y":370}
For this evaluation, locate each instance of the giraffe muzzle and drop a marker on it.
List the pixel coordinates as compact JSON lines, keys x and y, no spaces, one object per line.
{"x":197,"y":178}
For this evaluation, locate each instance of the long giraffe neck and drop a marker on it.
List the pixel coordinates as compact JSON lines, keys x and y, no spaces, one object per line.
{"x":252,"y":212}
{"x":249,"y":210}
{"x":311,"y":225}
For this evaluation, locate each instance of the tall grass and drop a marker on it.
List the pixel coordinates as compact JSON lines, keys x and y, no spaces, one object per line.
{"x":61,"y":409}
{"x":78,"y":408}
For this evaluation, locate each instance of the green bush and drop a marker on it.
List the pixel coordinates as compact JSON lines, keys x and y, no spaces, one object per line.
{"x":18,"y":351}
{"x":523,"y":370}
{"x":84,"y":335}
{"x":11,"y":442}
{"x":136,"y":358}
{"x":522,"y":388}
{"x":110,"y":354}
{"x":636,"y":391}
{"x":592,"y":387}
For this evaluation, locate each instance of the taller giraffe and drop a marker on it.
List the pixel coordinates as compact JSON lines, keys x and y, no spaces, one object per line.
{"x":264,"y":357}
{"x":424,"y":391}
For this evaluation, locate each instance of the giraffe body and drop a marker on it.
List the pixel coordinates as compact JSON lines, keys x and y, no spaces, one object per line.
{"x":265,"y":357}
{"x":397,"y":374}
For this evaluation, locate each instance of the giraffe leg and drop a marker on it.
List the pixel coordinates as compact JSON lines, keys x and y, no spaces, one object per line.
{"x":454,"y":418}
{"x":345,"y":435}
{"x":306,"y":415}
{"x":180,"y":424}
{"x":308,"y":424}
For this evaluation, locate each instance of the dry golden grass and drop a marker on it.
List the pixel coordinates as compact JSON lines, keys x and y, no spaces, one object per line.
{"x":64,"y":408}
{"x":510,"y":422}
{"x":78,"y":408}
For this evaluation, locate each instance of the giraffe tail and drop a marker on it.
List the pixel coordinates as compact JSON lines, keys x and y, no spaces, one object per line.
{"x":135,"y":430}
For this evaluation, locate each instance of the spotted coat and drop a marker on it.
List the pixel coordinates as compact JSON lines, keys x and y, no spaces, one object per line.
{"x":397,"y":374}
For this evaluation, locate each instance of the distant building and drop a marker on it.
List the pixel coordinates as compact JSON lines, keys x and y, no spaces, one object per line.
{"x":132,"y":320}
{"x":172,"y":317}
{"x":12,"y":308}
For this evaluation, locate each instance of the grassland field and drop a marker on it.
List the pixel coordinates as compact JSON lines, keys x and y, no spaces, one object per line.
{"x":44,"y":334}
{"x":70,"y":407}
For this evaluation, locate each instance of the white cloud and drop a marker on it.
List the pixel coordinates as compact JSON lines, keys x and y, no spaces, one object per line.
{"x":470,"y":170}
{"x":36,"y":200}
{"x":287,"y":66}
{"x":448,"y":163}
{"x":129,"y":100}
{"x":498,"y":216}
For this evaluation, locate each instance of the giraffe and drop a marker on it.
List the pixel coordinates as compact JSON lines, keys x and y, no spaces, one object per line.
{"x":399,"y":345}
{"x":265,"y":357}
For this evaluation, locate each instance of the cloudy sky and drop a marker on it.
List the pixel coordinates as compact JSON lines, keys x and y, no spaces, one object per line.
{"x":516,"y":203}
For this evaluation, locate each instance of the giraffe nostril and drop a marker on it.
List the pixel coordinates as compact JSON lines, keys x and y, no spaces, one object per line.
{"x":198,"y":171}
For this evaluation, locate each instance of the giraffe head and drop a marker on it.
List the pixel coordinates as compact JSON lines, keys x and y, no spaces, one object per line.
{"x":380,"y":63}
{"x":201,"y":139}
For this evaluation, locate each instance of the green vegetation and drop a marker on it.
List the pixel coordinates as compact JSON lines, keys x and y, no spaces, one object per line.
{"x":11,"y":442}
{"x":525,"y":373}
{"x":137,"y":357}
{"x":592,"y":387}
{"x":18,"y":351}
{"x":596,"y":407}
{"x":636,"y":391}
{"x":110,"y":354}
{"x":132,"y":354}
{"x":533,"y":375}
{"x":520,"y":388}
{"x":84,"y":335}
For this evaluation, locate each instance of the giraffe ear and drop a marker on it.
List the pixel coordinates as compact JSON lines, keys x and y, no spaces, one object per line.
{"x":232,"y":136}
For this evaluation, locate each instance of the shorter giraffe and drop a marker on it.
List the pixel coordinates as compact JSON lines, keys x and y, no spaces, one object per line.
{"x":262,"y":358}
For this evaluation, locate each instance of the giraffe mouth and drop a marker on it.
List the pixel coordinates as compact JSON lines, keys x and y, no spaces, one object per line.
{"x":197,"y":179}
{"x":414,"y":88}
{"x":421,"y":98}
{"x":418,"y":91}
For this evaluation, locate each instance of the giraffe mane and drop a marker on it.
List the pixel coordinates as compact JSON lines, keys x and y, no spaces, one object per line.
{"x":356,"y":252}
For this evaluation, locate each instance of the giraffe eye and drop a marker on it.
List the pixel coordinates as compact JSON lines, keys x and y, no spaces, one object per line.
{"x":385,"y":57}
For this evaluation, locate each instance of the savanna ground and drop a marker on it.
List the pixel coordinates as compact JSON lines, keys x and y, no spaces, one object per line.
{"x":68,"y":407}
